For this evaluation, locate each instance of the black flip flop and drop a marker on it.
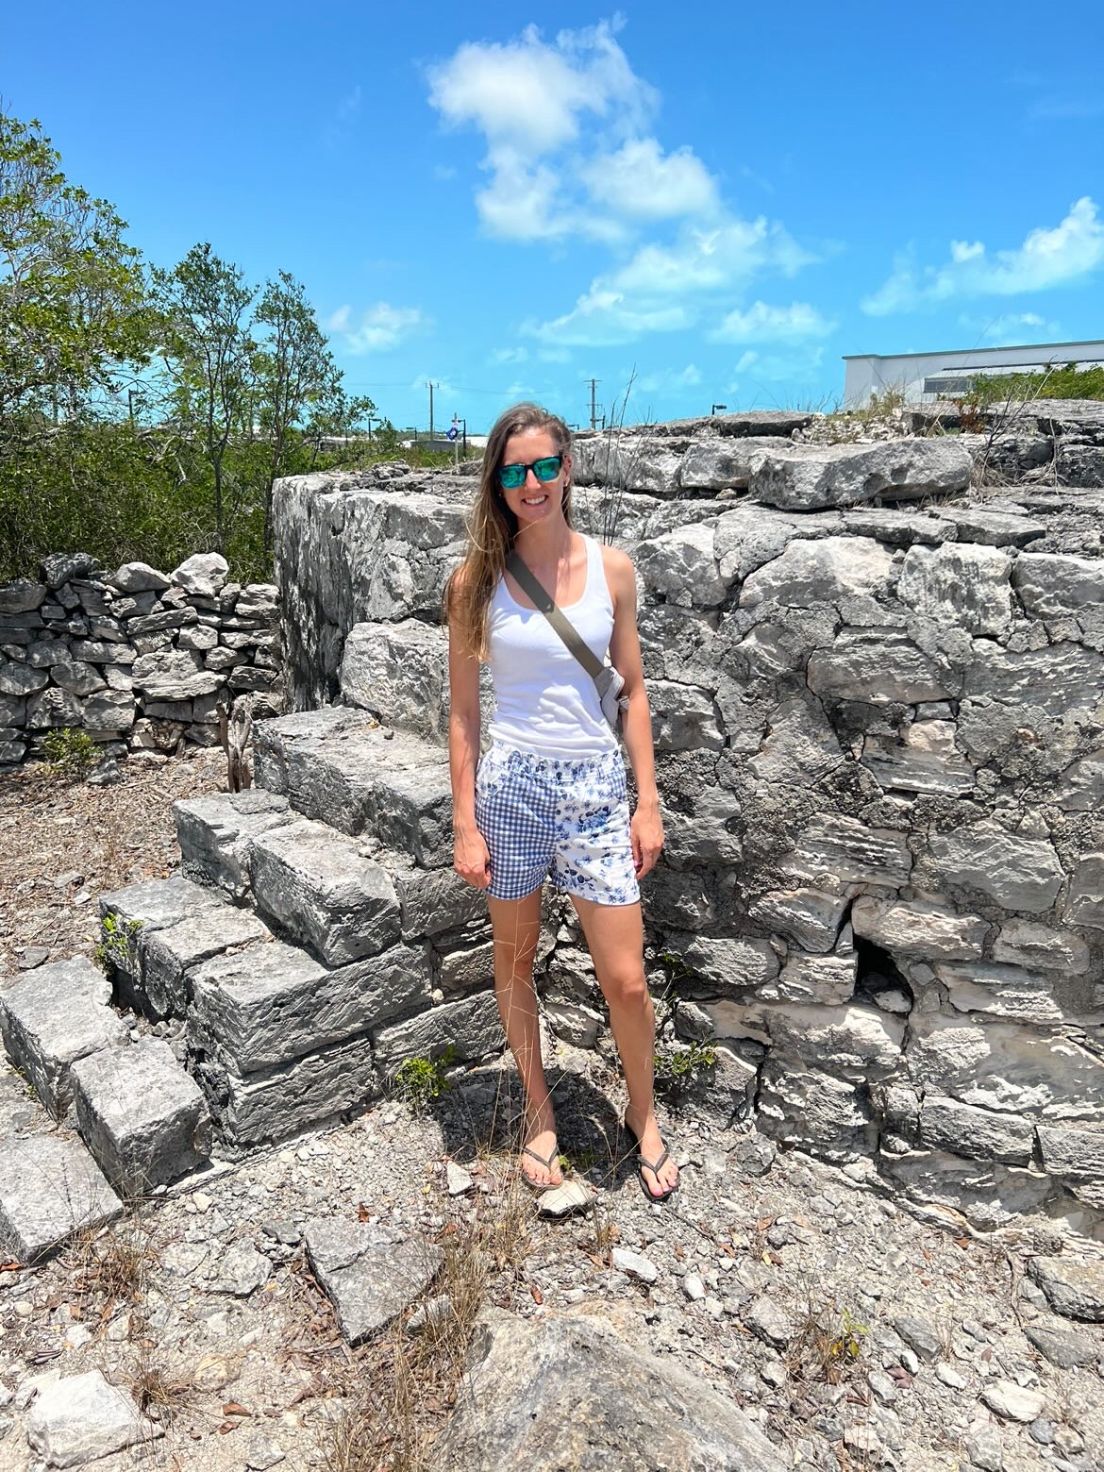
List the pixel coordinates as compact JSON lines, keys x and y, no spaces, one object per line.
{"x":645,"y":1163}
{"x":541,"y":1185}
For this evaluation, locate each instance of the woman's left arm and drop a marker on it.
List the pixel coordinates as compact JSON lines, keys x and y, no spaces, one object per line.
{"x":646,"y":827}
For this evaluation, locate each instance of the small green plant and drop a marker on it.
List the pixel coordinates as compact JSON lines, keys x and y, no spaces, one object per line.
{"x":421,"y":1080}
{"x":71,"y":752}
{"x":119,"y":943}
{"x":847,"y":1342}
{"x":677,"y":1069}
{"x":828,"y":1343}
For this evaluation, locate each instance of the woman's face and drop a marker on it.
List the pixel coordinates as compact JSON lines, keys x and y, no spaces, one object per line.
{"x":534,"y":500}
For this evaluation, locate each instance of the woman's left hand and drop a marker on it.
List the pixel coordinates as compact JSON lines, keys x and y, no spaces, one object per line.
{"x":646,"y":831}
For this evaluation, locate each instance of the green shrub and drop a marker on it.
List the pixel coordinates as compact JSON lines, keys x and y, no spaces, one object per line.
{"x":71,"y":752}
{"x":421,"y":1080}
{"x":1070,"y":382}
{"x":119,"y":944}
{"x":679,"y":1068}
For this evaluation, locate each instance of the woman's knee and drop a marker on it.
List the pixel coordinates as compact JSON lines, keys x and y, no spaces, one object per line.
{"x":625,"y":987}
{"x":515,"y":954}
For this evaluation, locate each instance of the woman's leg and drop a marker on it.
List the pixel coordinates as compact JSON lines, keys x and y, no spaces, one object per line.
{"x":615,"y":936}
{"x":516,"y":927}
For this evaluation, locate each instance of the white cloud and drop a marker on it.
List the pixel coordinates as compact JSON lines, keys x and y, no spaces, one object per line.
{"x":381,"y":327}
{"x":662,"y":288}
{"x":763,"y":323}
{"x":1012,"y":327}
{"x":510,"y":355}
{"x":569,"y":151}
{"x":528,"y":95}
{"x":670,"y":382}
{"x":1048,"y":257}
{"x":530,"y":99}
{"x":640,"y":180}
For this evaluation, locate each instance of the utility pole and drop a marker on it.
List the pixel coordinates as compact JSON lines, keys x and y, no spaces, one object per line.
{"x":431,"y":387}
{"x":593,"y":406}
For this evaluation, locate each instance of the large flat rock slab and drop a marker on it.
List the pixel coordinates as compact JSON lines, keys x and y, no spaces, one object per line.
{"x":51,"y":1017}
{"x":341,"y":767}
{"x":284,"y":1100}
{"x":81,"y":1418}
{"x":370,"y":1275}
{"x":50,"y":1187}
{"x":811,"y":478}
{"x":166,"y":956}
{"x":315,"y":884}
{"x":142,"y":1115}
{"x":566,"y":1391}
{"x":269,"y":1003}
{"x":214,"y":834}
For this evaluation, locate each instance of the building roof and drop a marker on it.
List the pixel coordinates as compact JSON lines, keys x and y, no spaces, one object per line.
{"x":1004,"y":347}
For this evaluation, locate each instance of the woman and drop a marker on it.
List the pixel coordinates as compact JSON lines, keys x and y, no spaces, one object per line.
{"x":549,"y":795}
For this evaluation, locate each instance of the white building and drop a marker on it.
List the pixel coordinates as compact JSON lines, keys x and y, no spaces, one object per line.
{"x":926,"y":376}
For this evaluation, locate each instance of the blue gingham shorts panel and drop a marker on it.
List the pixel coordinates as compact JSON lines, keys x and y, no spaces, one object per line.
{"x":567,"y":819}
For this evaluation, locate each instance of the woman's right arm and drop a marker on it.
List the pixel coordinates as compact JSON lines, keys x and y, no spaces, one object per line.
{"x":471,"y":857}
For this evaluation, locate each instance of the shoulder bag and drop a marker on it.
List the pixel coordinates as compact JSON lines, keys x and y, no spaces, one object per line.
{"x":607,"y":680}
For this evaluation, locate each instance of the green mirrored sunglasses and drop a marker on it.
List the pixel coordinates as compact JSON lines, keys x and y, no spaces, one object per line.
{"x":545,"y":469}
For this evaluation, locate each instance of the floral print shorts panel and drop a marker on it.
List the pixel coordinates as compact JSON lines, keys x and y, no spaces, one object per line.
{"x":567,"y":819}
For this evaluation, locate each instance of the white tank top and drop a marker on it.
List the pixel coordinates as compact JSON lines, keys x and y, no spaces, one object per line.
{"x":545,"y":702}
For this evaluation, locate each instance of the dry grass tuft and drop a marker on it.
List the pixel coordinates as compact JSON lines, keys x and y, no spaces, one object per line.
{"x":113,"y":1264}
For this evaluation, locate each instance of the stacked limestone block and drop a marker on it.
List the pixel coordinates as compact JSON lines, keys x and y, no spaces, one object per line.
{"x":138,"y":659}
{"x":375,"y":951}
{"x":139,"y":1118}
{"x":878,"y":704}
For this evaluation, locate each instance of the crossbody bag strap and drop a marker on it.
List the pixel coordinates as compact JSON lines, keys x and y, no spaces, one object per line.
{"x":563,"y":625}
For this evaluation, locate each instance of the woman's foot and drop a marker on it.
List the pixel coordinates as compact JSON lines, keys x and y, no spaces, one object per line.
{"x":661,"y":1183}
{"x":539,"y":1160}
{"x":540,"y":1151}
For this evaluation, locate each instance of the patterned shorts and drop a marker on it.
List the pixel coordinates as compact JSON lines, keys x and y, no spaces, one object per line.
{"x":568,"y":819}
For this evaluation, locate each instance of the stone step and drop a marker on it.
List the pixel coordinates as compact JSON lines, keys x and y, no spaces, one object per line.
{"x":340,"y":766}
{"x":53,"y":1016}
{"x":371,"y":962}
{"x":50,"y":1187}
{"x":214,"y":834}
{"x":154,"y":931}
{"x":141,"y":1114}
{"x":316,"y":885}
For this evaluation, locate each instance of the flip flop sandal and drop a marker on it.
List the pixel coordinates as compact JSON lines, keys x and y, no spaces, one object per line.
{"x":654,"y":1166}
{"x":541,"y":1185}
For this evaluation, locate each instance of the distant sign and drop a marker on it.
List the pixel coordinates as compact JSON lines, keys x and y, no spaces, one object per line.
{"x":453,"y":433}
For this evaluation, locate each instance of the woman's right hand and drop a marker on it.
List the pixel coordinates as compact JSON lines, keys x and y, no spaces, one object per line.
{"x":472,"y":857}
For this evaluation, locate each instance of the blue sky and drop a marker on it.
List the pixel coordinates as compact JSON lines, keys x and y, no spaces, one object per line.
{"x":509,"y":202}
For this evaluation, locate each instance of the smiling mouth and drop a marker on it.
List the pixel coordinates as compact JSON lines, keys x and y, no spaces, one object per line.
{"x":534,"y":500}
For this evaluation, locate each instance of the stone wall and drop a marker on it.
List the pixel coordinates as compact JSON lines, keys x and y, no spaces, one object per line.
{"x":878,"y":697}
{"x":137,"y":658}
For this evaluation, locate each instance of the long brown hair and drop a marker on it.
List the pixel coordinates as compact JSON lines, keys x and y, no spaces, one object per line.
{"x":493,"y":527}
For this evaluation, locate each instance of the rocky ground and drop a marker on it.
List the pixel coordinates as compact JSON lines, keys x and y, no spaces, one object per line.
{"x":851,"y":1333}
{"x":63,"y":843}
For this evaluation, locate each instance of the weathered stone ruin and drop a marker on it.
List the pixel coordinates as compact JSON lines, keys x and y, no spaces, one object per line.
{"x":878,"y":692}
{"x":138,"y":659}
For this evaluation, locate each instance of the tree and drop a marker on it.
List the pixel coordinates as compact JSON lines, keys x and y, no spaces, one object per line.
{"x":298,"y":382}
{"x":208,"y":355}
{"x":73,"y":302}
